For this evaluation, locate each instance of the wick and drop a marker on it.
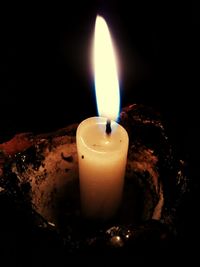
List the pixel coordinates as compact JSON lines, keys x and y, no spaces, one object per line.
{"x":108,"y":127}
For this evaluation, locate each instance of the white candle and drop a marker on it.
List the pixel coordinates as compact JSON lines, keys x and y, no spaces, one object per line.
{"x":102,"y":150}
{"x":102,"y":162}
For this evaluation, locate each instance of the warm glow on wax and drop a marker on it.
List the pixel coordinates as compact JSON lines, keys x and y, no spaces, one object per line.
{"x":105,"y":68}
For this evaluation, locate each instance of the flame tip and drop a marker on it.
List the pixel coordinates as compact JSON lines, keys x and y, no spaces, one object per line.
{"x":106,"y":80}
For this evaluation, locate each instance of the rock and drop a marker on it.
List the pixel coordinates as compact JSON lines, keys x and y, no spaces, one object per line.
{"x":42,"y":172}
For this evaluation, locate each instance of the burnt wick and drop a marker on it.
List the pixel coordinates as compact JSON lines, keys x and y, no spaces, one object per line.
{"x":108,"y":127}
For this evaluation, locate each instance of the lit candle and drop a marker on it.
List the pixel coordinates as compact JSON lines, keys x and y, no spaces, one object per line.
{"x":102,"y":144}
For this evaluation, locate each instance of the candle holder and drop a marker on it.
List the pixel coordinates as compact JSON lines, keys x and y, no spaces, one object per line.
{"x":39,"y":185}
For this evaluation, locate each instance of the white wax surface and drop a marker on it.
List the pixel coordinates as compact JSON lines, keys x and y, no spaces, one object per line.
{"x":102,"y":162}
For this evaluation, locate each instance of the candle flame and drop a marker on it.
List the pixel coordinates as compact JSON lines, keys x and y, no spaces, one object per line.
{"x":105,"y":69}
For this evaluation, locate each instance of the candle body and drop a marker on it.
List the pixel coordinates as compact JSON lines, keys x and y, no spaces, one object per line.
{"x":102,"y":163}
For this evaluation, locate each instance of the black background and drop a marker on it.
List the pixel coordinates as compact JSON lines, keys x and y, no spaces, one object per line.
{"x":46,"y":78}
{"x":45,"y":71}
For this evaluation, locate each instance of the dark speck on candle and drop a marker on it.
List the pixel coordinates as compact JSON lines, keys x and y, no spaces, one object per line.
{"x":82,"y":157}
